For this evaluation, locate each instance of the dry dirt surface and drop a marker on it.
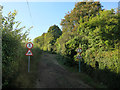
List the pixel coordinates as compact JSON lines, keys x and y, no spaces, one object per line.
{"x":53,"y":75}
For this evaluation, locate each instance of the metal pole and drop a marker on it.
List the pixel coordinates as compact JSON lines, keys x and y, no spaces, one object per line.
{"x":79,"y":65}
{"x":28,"y":63}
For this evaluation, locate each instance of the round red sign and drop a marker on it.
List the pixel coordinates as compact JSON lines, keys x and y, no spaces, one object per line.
{"x":29,"y":45}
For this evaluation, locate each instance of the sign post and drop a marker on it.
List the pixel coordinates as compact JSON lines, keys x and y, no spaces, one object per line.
{"x":79,"y":50}
{"x":79,"y":66}
{"x":29,"y":45}
{"x":28,"y":63}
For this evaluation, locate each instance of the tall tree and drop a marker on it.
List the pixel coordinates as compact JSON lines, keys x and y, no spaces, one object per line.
{"x":82,"y":9}
{"x":47,"y":40}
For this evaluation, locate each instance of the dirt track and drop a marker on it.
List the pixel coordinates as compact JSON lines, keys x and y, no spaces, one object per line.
{"x":53,"y":75}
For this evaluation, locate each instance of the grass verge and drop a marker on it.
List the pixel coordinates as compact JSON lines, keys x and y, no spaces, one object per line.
{"x":84,"y":77}
{"x":27,"y":79}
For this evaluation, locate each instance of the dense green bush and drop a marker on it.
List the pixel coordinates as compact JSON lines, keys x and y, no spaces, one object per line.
{"x":12,"y":48}
{"x":102,"y":40}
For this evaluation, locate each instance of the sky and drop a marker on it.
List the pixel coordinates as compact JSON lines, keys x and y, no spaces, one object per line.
{"x":42,"y":15}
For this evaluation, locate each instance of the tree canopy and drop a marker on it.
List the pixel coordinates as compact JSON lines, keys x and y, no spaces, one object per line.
{"x":47,"y":40}
{"x":81,"y":9}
